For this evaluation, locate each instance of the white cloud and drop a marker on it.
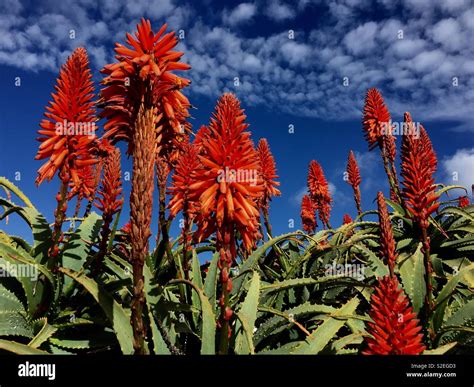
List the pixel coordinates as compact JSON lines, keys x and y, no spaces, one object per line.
{"x":154,"y":8}
{"x":447,"y":32}
{"x":295,"y":53}
{"x":459,"y":168}
{"x":454,"y":5}
{"x":10,"y":6}
{"x":337,"y":196}
{"x":240,"y":14}
{"x":279,"y":11}
{"x":362,"y":39}
{"x":297,"y":197}
{"x":408,"y":48}
{"x":428,"y":60}
{"x":301,"y":76}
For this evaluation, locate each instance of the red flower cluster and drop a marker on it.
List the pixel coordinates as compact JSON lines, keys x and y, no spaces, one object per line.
{"x":319,"y":191}
{"x":267,"y":172}
{"x":142,"y":74}
{"x":376,"y":118}
{"x":419,"y":164}
{"x":229,"y":186}
{"x":109,"y":202}
{"x":463,"y":201}
{"x":69,"y":128}
{"x":308,"y":217}
{"x":354,"y":179}
{"x":88,"y":176}
{"x":394,"y":330}
{"x":346,"y":219}
{"x":187,"y":166}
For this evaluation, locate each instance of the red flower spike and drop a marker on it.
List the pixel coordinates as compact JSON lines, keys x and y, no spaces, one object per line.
{"x":353,"y":172}
{"x":418,"y":166}
{"x":319,"y":191}
{"x":354,"y":179}
{"x":390,"y":147}
{"x":230,"y":186}
{"x":69,"y":128}
{"x":394,"y":329}
{"x":110,"y":202}
{"x":187,"y":166}
{"x":463,"y":201}
{"x":227,"y":197}
{"x":376,"y":118}
{"x":143,"y":73}
{"x":200,"y":137}
{"x":347,"y":219}
{"x":86,"y":182}
{"x":267,"y":172}
{"x":308,"y":218}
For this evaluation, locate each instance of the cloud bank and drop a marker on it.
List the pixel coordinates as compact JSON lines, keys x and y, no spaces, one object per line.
{"x":417,"y":52}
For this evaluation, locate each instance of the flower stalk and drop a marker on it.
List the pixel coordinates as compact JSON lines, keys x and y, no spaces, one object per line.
{"x":141,"y":203}
{"x":419,"y":164}
{"x":354,"y":179}
{"x":59,"y":216}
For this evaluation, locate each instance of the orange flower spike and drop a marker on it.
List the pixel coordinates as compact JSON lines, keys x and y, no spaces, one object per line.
{"x":142,"y":104}
{"x":110,"y":202}
{"x":376,"y":118}
{"x":143,"y":72}
{"x":308,"y":218}
{"x":353,"y":172}
{"x":227,"y":189}
{"x":419,"y":164}
{"x":83,"y":182}
{"x":317,"y":183}
{"x":230,"y":171}
{"x":69,"y":128}
{"x":268,"y":170}
{"x":390,"y":147}
{"x":186,"y":167}
{"x":354,"y":179}
{"x":319,"y":191}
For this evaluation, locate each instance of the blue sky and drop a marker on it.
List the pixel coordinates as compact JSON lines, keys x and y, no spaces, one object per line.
{"x":302,"y":63}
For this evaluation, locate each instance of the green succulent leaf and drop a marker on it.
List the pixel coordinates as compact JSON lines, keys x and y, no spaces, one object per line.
{"x":117,"y":316}
{"x":412,"y":273}
{"x":20,"y":349}
{"x":43,"y":335}
{"x":326,"y":332}
{"x":247,"y":315}
{"x":208,"y":336}
{"x":210,"y":282}
{"x":78,"y":247}
{"x":445,"y":294}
